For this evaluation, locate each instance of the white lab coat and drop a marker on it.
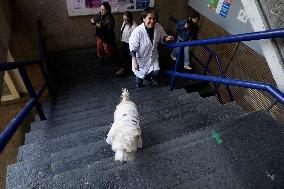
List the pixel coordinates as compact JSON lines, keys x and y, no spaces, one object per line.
{"x":146,"y":52}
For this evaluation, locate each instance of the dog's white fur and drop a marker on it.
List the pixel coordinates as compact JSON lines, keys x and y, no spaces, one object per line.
{"x":125,"y":133}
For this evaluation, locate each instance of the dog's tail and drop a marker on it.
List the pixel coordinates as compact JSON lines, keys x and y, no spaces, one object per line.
{"x":125,"y":95}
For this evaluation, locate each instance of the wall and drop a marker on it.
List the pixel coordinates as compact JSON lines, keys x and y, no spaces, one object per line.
{"x":64,"y":32}
{"x":274,"y":14}
{"x":5,"y":25}
{"x":239,"y":62}
{"x":231,"y":24}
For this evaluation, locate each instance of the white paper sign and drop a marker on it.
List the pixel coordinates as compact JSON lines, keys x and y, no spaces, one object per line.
{"x":87,"y":7}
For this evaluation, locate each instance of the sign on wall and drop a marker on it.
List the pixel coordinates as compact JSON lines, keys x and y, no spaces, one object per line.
{"x":243,"y":16}
{"x":86,"y":7}
{"x":221,"y":7}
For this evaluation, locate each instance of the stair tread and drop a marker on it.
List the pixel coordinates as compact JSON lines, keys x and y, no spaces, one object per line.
{"x":205,"y":157}
{"x":97,"y":115}
{"x":41,"y":134}
{"x":179,"y":149}
{"x":61,"y":159}
{"x":90,"y":157}
{"x":160,"y":114}
{"x":112,"y":100}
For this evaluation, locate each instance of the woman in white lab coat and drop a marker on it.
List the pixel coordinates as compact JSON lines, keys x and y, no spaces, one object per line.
{"x":143,"y":44}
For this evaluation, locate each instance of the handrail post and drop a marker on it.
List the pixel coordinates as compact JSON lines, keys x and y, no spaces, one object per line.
{"x":206,"y":68}
{"x":42,"y":52}
{"x":223,"y":76}
{"x":216,"y":86}
{"x":31,"y":91}
{"x":9,"y":131}
{"x":179,"y":55}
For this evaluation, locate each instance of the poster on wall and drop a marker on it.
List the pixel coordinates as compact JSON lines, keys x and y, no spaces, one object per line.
{"x":87,"y":7}
{"x":221,"y":7}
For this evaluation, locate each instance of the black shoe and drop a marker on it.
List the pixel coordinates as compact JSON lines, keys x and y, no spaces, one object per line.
{"x":148,"y":82}
{"x":100,"y":62}
{"x":139,"y":86}
{"x":155,"y":83}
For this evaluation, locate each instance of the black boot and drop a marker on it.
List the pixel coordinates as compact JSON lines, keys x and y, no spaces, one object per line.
{"x":101,"y":62}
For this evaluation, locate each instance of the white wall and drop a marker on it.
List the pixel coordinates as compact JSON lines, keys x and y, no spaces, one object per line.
{"x":256,"y":23}
{"x":231,"y":24}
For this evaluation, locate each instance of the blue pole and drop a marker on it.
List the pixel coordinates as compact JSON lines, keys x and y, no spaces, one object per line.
{"x":4,"y":66}
{"x":31,"y":91}
{"x":41,"y":45}
{"x":276,"y":93}
{"x":220,"y":69}
{"x":269,"y":34}
{"x":173,"y":80}
{"x":42,"y":52}
{"x":8,"y":132}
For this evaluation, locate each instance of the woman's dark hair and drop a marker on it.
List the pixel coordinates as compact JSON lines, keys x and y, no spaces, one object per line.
{"x":129,"y":15}
{"x":147,"y":11}
{"x":195,"y":15}
{"x":107,"y":6}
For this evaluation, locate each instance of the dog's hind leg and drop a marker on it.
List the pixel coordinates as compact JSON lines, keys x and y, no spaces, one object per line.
{"x":139,"y":142}
{"x":130,"y":155}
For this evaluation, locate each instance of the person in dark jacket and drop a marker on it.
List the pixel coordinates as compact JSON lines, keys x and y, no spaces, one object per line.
{"x":187,"y":29}
{"x":105,"y":36}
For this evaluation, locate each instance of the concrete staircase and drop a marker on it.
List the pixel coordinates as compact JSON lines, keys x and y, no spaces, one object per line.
{"x":179,"y":129}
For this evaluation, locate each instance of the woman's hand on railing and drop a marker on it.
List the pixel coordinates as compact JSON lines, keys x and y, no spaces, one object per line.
{"x":169,"y":38}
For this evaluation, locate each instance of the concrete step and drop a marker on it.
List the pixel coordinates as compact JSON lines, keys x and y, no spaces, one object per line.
{"x":55,"y":121}
{"x":202,"y":87}
{"x":85,"y":156}
{"x":146,"y":108}
{"x":41,"y":148}
{"x":174,"y":168}
{"x":109,"y":109}
{"x":93,"y":89}
{"x":146,"y":142}
{"x":110,"y":101}
{"x":164,"y":143}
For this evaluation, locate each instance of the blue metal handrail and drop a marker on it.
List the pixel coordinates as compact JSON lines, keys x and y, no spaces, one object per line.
{"x":269,"y":34}
{"x":5,"y":66}
{"x":234,"y":82}
{"x":219,"y":65}
{"x":207,"y":69}
{"x":9,"y":131}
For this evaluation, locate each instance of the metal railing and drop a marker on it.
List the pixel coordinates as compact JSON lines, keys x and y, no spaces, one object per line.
{"x":269,"y":34}
{"x":9,"y":131}
{"x":277,"y":33}
{"x":206,"y":70}
{"x":276,"y":93}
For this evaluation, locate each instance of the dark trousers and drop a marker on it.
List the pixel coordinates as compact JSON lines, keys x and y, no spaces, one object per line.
{"x":152,"y":76}
{"x":124,"y":56}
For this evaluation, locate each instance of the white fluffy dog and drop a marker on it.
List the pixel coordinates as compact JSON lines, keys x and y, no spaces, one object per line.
{"x":125,"y":133}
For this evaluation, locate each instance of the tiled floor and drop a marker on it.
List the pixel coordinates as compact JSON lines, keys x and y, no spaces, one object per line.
{"x":9,"y":155}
